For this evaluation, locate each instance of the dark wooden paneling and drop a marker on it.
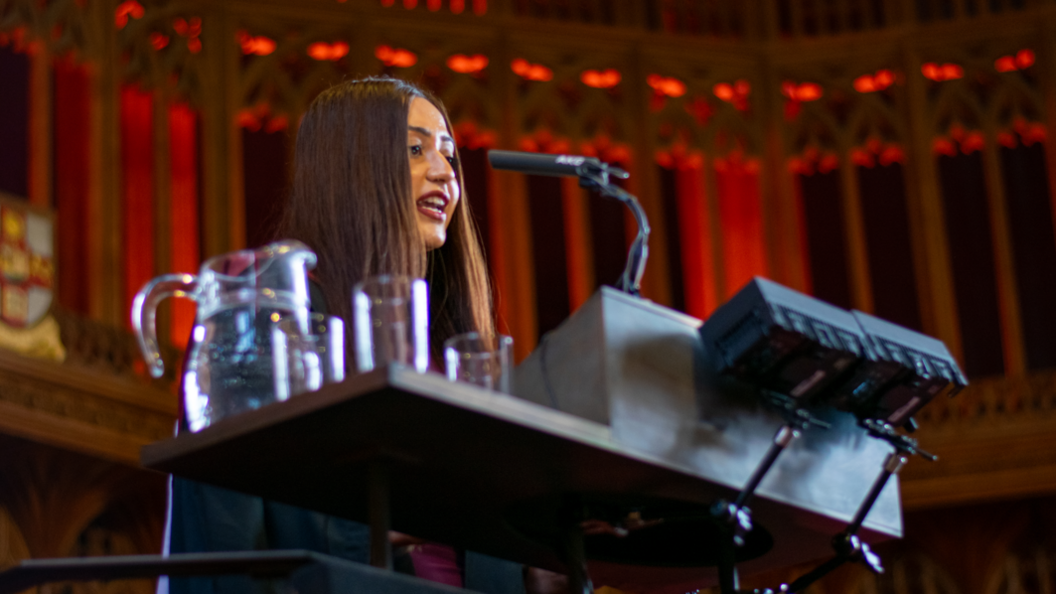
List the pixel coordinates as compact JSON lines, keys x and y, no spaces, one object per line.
{"x":266,"y":183}
{"x":14,"y":122}
{"x":548,"y":243}
{"x":1034,"y":249}
{"x":475,"y":179}
{"x":669,"y":197}
{"x":883,"y":194}
{"x":827,"y":249}
{"x":608,"y":238}
{"x":972,"y":259}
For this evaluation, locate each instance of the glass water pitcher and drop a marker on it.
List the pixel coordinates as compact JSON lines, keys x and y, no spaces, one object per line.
{"x":231,"y":357}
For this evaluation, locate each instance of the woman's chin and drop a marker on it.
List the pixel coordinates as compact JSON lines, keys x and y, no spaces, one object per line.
{"x":434,"y":240}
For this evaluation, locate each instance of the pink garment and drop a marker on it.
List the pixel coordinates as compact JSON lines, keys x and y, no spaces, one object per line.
{"x":436,"y":563}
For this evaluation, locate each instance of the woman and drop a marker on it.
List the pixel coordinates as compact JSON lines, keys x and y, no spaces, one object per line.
{"x":376,"y":190}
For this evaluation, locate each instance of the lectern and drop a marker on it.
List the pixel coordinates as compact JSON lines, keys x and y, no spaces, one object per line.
{"x":644,"y":372}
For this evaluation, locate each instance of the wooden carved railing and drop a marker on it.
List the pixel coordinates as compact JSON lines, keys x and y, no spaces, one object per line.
{"x":109,"y":349}
{"x":95,"y":402}
{"x":996,"y":439}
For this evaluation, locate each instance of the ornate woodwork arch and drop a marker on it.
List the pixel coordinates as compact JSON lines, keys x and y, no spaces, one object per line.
{"x":816,"y":130}
{"x":464,"y":101}
{"x":730,"y":132}
{"x":567,"y":101}
{"x":67,"y":26}
{"x":162,"y":45}
{"x":1014,"y":101}
{"x":277,"y":71}
{"x":874,"y":118}
{"x":718,"y":100}
{"x":952,"y":107}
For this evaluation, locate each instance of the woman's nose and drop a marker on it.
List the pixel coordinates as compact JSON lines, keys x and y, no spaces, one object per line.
{"x":440,"y":169}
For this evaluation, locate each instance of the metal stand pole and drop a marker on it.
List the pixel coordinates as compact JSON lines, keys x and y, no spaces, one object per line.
{"x":782,"y":439}
{"x":729,"y":583}
{"x":736,"y":517}
{"x":892,"y":465}
{"x":847,"y":544}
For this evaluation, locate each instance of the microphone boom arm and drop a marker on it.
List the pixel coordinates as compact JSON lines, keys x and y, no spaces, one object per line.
{"x":595,"y":176}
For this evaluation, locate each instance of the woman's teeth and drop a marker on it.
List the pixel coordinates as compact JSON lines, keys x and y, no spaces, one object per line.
{"x":435,"y":204}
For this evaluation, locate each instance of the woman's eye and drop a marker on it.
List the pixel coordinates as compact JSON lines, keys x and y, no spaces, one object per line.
{"x":416,"y":150}
{"x":453,"y":161}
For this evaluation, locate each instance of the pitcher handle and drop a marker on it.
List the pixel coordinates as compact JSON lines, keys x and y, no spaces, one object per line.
{"x":144,"y":310}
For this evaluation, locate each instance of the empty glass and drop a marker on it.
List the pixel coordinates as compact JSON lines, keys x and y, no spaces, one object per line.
{"x":481,"y":360}
{"x":311,"y":360}
{"x":391,"y":322}
{"x":329,"y":335}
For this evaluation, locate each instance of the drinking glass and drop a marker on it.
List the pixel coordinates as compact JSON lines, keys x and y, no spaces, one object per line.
{"x":479,"y":359}
{"x":391,"y":322}
{"x":329,"y":335}
{"x":312,"y":359}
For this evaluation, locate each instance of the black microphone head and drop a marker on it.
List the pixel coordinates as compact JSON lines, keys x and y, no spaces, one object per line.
{"x":541,"y":163}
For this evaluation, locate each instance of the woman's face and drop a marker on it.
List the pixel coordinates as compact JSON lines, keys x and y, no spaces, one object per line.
{"x":434,"y":178}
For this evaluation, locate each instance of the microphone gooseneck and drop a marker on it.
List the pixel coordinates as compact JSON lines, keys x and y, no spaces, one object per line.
{"x":593,"y":174}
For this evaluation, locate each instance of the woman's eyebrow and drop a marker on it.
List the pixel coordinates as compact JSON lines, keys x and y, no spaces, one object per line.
{"x":427,"y":133}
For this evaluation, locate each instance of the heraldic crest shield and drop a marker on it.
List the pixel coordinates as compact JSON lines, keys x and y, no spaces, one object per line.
{"x":27,"y":280}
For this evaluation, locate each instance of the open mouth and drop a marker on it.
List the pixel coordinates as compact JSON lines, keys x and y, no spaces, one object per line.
{"x":433,"y":205}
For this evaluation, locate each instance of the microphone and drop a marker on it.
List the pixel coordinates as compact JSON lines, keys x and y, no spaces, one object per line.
{"x":593,"y":175}
{"x":553,"y":165}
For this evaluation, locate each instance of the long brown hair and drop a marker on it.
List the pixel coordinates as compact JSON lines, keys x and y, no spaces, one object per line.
{"x":351,"y":203}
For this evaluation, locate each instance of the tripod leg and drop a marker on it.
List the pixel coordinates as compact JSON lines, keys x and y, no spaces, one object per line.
{"x":892,"y":465}
{"x":848,"y":546}
{"x":782,"y":439}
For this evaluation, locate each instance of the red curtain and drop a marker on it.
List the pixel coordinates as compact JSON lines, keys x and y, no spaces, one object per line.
{"x":71,"y":182}
{"x":185,"y":250}
{"x":698,"y":270}
{"x":137,"y":184}
{"x":575,"y":257}
{"x":743,"y":248}
{"x":15,"y":109}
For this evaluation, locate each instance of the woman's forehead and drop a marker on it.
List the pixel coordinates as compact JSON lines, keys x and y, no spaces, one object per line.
{"x":423,"y":117}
